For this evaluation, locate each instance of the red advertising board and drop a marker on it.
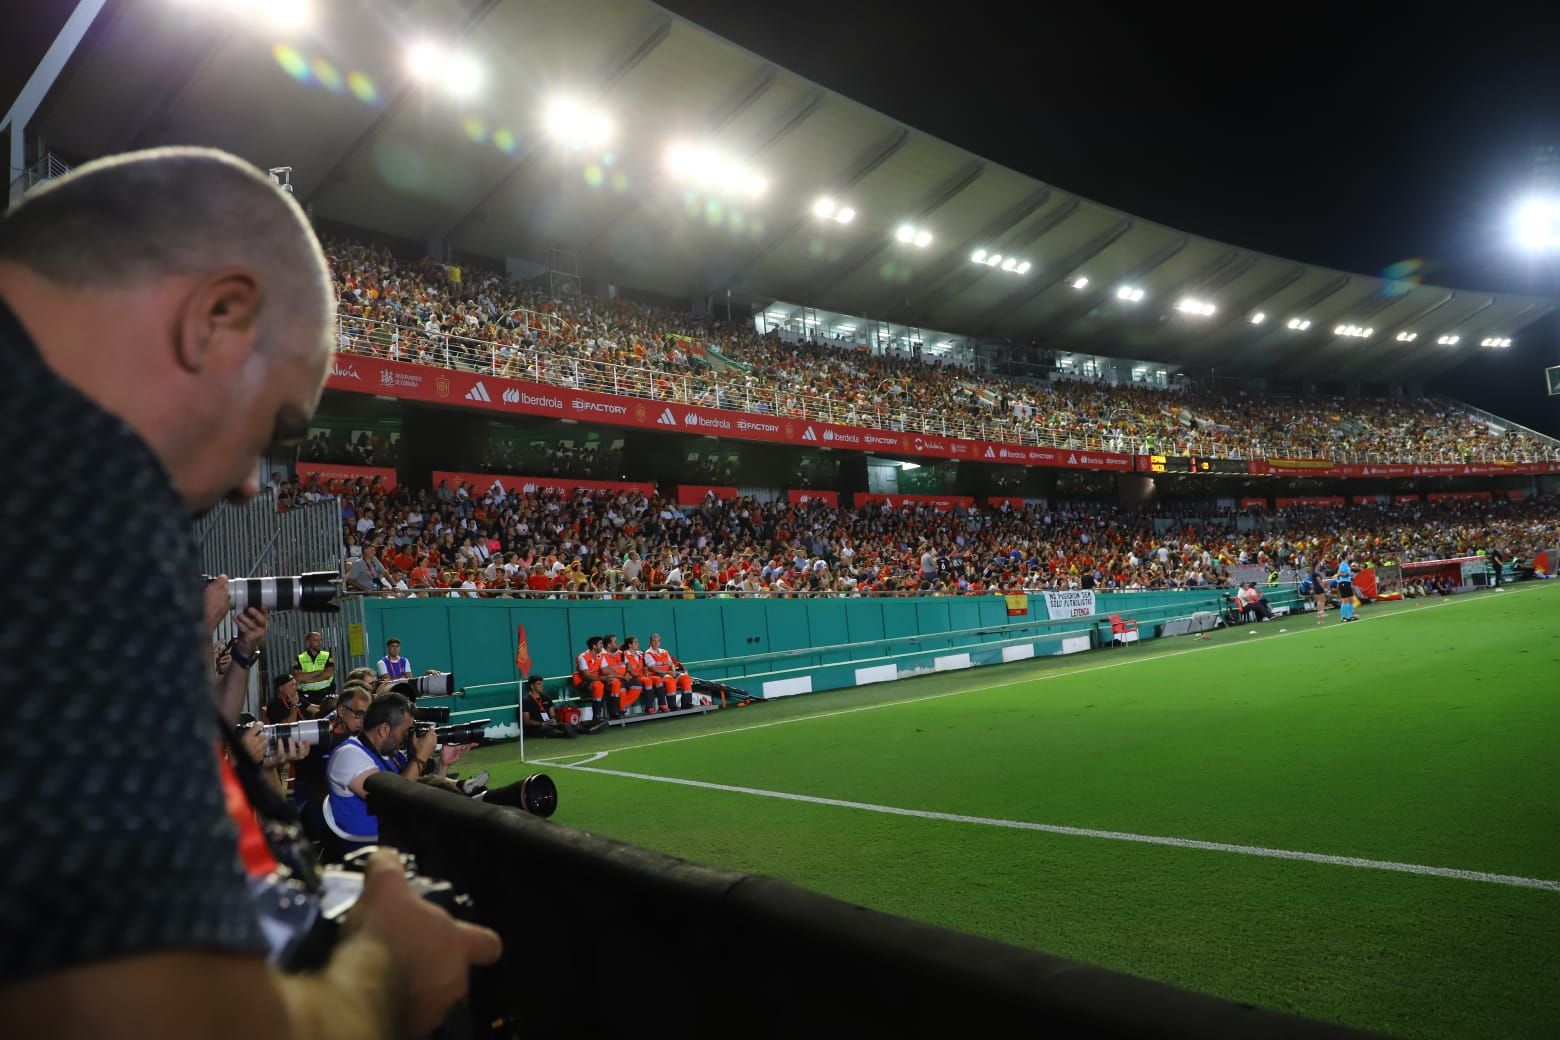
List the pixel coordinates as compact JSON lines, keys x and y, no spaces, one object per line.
{"x":480,"y":482}
{"x":831,"y":498}
{"x":366,"y":375}
{"x":1366,"y":500}
{"x":695,"y":494}
{"x":1323,"y":468}
{"x":1402,"y":500}
{"x":323,"y":473}
{"x":940,"y":503}
{"x":1309,"y":500}
{"x":1457,"y":496}
{"x":1011,"y":501}
{"x":1253,"y":503}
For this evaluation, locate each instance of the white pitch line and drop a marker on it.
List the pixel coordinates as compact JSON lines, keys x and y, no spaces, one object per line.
{"x":1060,"y":674}
{"x":1512,"y":880}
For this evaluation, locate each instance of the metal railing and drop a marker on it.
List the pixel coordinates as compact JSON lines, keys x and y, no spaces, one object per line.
{"x":745,"y":393}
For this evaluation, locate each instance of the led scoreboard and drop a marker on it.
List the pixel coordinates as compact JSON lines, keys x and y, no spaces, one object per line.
{"x":1194,"y":464}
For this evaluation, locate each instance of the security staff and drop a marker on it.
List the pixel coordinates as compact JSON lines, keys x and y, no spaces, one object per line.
{"x":315,"y":671}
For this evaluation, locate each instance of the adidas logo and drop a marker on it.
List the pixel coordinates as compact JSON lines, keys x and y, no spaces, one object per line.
{"x":1072,"y":460}
{"x":991,"y":454}
{"x":511,"y":396}
{"x":808,"y":435}
{"x":666,"y":418}
{"x":478,"y":393}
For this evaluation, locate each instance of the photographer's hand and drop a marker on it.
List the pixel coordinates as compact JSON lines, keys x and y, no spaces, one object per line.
{"x":424,"y":744}
{"x":253,"y":743}
{"x":251,"y":628}
{"x":449,"y":754}
{"x":214,"y":602}
{"x":420,"y":955}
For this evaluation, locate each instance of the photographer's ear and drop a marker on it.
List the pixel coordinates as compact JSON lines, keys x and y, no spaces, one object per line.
{"x":219,"y":323}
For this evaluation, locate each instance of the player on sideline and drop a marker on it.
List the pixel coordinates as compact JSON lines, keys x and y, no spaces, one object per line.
{"x":1345,"y":579}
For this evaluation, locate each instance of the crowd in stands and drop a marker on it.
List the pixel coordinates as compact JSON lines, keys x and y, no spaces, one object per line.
{"x":427,"y":313}
{"x":473,"y":541}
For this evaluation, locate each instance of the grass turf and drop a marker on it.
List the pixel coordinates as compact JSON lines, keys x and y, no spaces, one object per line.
{"x":1423,"y":734}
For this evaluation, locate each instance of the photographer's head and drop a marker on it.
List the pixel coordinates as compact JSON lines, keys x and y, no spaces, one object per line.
{"x":285,"y":689}
{"x":216,"y":291}
{"x":352,"y":711}
{"x":387,"y":722}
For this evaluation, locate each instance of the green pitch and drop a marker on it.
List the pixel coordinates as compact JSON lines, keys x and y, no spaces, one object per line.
{"x":1425,"y":735}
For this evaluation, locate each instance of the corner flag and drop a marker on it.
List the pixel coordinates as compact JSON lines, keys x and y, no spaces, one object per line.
{"x":522,"y":653}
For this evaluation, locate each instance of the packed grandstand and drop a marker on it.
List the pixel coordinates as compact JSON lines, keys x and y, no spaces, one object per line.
{"x":420,"y":312}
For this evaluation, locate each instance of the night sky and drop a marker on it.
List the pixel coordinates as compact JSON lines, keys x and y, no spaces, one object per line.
{"x":1356,"y":137}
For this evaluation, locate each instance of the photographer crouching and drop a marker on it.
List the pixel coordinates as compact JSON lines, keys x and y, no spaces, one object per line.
{"x":164,"y":318}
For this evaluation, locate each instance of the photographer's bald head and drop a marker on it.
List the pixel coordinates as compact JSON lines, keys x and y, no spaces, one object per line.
{"x":184,"y":292}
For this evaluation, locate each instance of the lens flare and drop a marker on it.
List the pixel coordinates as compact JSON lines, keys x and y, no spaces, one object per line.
{"x":618,"y":182}
{"x":504,"y":140}
{"x":363,"y":88}
{"x":474,"y":129}
{"x":291,"y":62}
{"x":595,"y":176}
{"x":326,"y":73}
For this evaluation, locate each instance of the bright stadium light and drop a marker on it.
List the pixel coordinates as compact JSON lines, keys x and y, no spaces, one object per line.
{"x":425,"y":61}
{"x":1129,"y":294}
{"x":1023,"y":268}
{"x":1299,"y":324}
{"x":288,"y":15}
{"x":1538,"y":225}
{"x":1080,"y":282}
{"x":923,"y":239}
{"x":1257,"y":318}
{"x":1198,"y":307}
{"x":572,"y":123}
{"x":905,"y":233}
{"x":715,"y":170}
{"x":1448,"y":340}
{"x":909,"y":234}
{"x":1406,"y":337}
{"x":1495,"y":342}
{"x":978,"y":257}
{"x":463,"y":76}
{"x":827,"y":209}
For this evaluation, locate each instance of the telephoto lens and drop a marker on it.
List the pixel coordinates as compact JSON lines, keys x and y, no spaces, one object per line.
{"x":434,"y":684}
{"x":314,"y":591}
{"x":307,"y":731}
{"x":438,"y":716}
{"x":464,"y":733}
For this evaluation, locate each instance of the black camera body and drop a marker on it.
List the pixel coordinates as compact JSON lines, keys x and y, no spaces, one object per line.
{"x":303,"y":920}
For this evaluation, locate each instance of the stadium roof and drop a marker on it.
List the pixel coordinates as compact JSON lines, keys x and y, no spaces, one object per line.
{"x":372,"y":146}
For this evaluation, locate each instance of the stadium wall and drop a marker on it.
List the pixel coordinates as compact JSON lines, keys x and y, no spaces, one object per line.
{"x":768,"y":647}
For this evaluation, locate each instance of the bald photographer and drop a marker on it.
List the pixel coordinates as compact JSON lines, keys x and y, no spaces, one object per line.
{"x":165,"y":317}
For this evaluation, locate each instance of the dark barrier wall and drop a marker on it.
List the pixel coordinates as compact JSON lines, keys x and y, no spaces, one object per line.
{"x":605,"y":939}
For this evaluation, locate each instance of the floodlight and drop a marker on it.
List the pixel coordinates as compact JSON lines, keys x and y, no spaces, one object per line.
{"x":1257,"y":318}
{"x":569,"y":121}
{"x":425,"y":61}
{"x":845,"y":215}
{"x":1130,"y":294}
{"x":1299,"y":324}
{"x":978,"y":257}
{"x":993,"y":260}
{"x":923,"y":239}
{"x":824,"y":209}
{"x":755,"y":185}
{"x":1023,"y":268}
{"x":1448,"y":340}
{"x":289,"y":15}
{"x":1080,"y":282}
{"x":1190,"y":306}
{"x":905,"y":233}
{"x":1406,"y":337}
{"x":1538,"y":224}
{"x":462,"y":76}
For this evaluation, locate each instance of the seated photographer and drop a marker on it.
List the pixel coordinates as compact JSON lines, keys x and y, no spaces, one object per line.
{"x":385,"y":744}
{"x":310,"y":786}
{"x":284,"y":704}
{"x":538,"y":715}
